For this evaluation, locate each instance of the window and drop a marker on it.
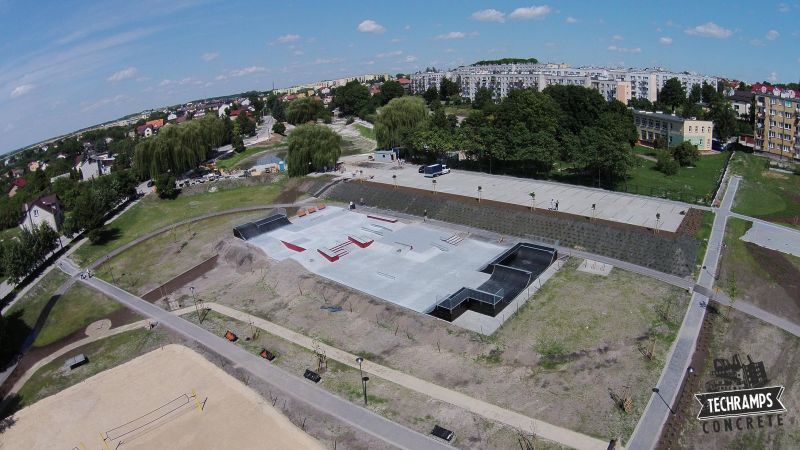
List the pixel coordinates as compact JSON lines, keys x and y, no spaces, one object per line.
{"x":35,"y":213}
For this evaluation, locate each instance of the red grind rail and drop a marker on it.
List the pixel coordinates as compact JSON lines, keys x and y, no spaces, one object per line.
{"x":383,"y":219}
{"x":291,"y":246}
{"x":362,"y":244}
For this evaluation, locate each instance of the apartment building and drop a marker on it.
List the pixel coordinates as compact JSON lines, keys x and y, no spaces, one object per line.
{"x":620,"y":84}
{"x":777,"y":116}
{"x":672,"y":129}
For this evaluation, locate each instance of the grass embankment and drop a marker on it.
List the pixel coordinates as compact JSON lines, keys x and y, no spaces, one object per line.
{"x":102,"y":355}
{"x":365,"y":132}
{"x":74,"y":311}
{"x":690,"y":183}
{"x":766,"y":194}
{"x":152,"y":213}
{"x":703,"y":235}
{"x":250,"y":151}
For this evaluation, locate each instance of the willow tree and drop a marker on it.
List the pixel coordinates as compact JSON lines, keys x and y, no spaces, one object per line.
{"x":312,"y":148}
{"x":306,"y":109}
{"x":398,"y":119}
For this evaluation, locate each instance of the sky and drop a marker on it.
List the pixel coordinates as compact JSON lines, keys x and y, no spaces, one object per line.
{"x":69,"y":65}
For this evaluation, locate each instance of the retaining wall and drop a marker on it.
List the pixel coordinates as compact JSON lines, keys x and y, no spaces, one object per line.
{"x":665,"y":251}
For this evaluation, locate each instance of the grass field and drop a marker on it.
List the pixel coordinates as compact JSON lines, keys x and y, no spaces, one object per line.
{"x":102,"y":355}
{"x":462,"y":110}
{"x":152,"y":213}
{"x":250,"y":151}
{"x":702,"y":236}
{"x":765,"y":194}
{"x":365,"y":132}
{"x":73,"y":311}
{"x":692,"y":182}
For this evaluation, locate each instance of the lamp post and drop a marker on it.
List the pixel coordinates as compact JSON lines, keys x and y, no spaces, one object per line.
{"x":434,"y":187}
{"x":364,"y":379}
{"x":594,"y":208}
{"x":658,"y":221}
{"x":394,"y":177}
{"x":658,"y":392}
{"x":533,"y":201}
{"x":196,"y":309}
{"x":480,"y":194}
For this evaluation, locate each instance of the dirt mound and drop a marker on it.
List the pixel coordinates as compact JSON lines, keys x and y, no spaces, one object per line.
{"x":240,"y":256}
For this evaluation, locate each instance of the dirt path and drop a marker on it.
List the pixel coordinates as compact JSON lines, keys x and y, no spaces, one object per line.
{"x":519,"y":421}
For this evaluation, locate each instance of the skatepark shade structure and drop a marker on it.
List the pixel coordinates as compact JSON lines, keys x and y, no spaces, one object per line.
{"x":249,"y":230}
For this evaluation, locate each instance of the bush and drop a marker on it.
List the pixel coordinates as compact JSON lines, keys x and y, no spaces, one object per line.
{"x":279,"y":128}
{"x":165,"y":186}
{"x":95,"y":235}
{"x":686,"y":154}
{"x":666,"y":164}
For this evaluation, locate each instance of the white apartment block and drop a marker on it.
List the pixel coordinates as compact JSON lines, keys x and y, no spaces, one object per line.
{"x":502,"y":78}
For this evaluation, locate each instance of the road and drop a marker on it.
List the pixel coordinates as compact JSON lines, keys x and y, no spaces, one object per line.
{"x":293,"y":385}
{"x":648,"y":430}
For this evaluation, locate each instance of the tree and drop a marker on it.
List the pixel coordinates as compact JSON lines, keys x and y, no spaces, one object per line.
{"x":686,"y":154}
{"x":165,"y":186}
{"x":447,"y":89}
{"x":238,"y":143}
{"x":672,"y":94}
{"x":247,"y":126}
{"x":724,"y":118}
{"x":666,"y":164}
{"x":279,"y":128}
{"x":430,"y":94}
{"x":398,"y":119}
{"x":580,"y":106}
{"x":178,"y":148}
{"x":312,"y":148}
{"x":484,"y":98}
{"x":710,"y":94}
{"x":306,"y":109}
{"x":641,"y":104}
{"x":389,"y":90}
{"x":351,"y":98}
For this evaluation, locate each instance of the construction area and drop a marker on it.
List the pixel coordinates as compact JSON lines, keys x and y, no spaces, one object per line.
{"x":424,"y":268}
{"x":168,"y":398}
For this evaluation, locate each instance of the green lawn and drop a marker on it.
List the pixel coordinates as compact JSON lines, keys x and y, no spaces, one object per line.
{"x":152,"y":213}
{"x":766,"y":194}
{"x":103,"y":354}
{"x":366,"y":132}
{"x":702,"y":236}
{"x":76,"y":309}
{"x":690,"y":184}
{"x":250,"y":151}
{"x":462,"y":110}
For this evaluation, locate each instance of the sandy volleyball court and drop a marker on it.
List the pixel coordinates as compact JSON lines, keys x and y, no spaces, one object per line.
{"x":147,"y":403}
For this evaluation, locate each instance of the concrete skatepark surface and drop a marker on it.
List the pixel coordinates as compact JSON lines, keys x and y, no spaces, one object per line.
{"x":409,"y":264}
{"x":613,"y":206}
{"x":774,"y":237}
{"x":234,"y":416}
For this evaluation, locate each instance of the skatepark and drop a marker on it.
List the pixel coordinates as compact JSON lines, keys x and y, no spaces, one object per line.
{"x":413,"y":265}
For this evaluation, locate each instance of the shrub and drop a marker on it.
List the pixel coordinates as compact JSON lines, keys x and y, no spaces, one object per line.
{"x":666,"y":164}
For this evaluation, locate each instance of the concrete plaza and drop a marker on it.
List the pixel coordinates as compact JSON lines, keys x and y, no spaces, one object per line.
{"x":578,"y":200}
{"x":413,"y":265}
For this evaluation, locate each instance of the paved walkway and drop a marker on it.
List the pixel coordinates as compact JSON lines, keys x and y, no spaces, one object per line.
{"x":53,"y":356}
{"x":648,"y":430}
{"x":293,"y":385}
{"x":492,"y":412}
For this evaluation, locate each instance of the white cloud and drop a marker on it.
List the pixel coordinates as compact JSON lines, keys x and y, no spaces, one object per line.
{"x":370,"y":26}
{"x":165,"y":83}
{"x":772,"y":35}
{"x":616,"y":38}
{"x":103,"y":102}
{"x":571,"y":19}
{"x":247,"y":71}
{"x":452,"y":35}
{"x":710,"y":30}
{"x":530,"y":13}
{"x":389,"y":54}
{"x":288,"y":38}
{"x":123,"y":74}
{"x":489,"y":15}
{"x":784,"y":8}
{"x":411,"y":58}
{"x":757,"y":42}
{"x":614,"y":48}
{"x":210,"y":56}
{"x":297,"y":52}
{"x":395,"y":41}
{"x":21,"y":90}
{"x":407,"y":27}
{"x":665,"y":40}
{"x":773,"y":77}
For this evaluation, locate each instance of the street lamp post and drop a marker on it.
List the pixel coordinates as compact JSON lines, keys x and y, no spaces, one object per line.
{"x":658,"y":392}
{"x":658,"y":221}
{"x":594,"y":208}
{"x":434,"y":187}
{"x":196,"y":309}
{"x":364,"y":379}
{"x":480,"y":194}
{"x":394,"y":177}
{"x":533,"y":201}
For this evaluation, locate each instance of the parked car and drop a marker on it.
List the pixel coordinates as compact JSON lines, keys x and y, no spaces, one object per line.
{"x":421,"y":169}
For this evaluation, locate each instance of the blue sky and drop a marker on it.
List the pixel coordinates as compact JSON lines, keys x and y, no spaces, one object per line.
{"x":68,"y":65}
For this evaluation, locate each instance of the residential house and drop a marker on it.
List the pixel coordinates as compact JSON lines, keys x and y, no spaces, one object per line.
{"x":43,"y":210}
{"x":17,"y":184}
{"x":405,"y":82}
{"x":33,"y":166}
{"x":172,"y":116}
{"x":94,"y":166}
{"x":741,"y":102}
